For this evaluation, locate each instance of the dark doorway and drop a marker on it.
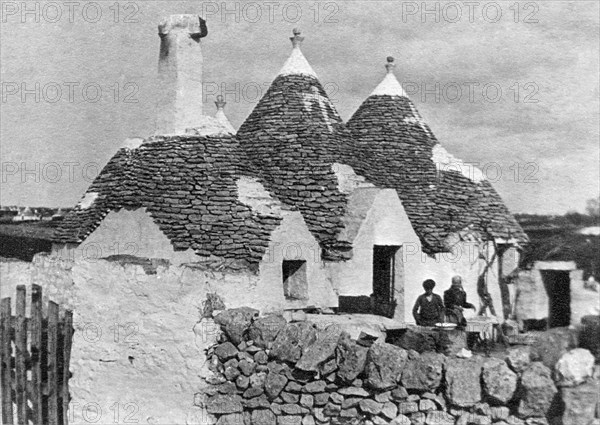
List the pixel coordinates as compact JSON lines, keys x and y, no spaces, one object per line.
{"x":384,"y":273}
{"x":295,"y":284}
{"x":558,"y":288}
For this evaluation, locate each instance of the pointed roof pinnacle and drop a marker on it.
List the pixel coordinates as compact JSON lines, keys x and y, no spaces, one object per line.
{"x":220,"y":115}
{"x":297,"y":63}
{"x":296,"y":39}
{"x":390,"y":65}
{"x":220,"y":103}
{"x":390,"y":85}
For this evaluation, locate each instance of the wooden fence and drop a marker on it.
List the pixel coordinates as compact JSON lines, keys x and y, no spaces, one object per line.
{"x":34,"y":361}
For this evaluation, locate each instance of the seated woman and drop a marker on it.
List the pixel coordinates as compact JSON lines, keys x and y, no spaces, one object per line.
{"x":429,"y":308}
{"x":455,"y":300}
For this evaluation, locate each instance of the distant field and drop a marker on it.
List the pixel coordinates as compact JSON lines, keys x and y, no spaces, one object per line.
{"x":23,"y":241}
{"x":40,"y":230}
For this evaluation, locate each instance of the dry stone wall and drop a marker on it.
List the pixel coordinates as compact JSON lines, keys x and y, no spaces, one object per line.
{"x":267,"y":371}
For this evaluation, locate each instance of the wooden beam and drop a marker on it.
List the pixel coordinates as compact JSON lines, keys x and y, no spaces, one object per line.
{"x":21,"y":356}
{"x":5,"y":361}
{"x":52,"y":363}
{"x":36,"y":353}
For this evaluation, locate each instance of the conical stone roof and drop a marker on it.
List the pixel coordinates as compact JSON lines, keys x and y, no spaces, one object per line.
{"x":394,"y":147}
{"x":188,"y":186}
{"x":292,"y":139}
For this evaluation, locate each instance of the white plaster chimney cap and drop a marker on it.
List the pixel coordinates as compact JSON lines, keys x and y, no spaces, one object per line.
{"x":189,"y":22}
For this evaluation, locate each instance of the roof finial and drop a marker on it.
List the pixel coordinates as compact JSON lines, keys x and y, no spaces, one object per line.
{"x":220,"y":103}
{"x":390,"y":65}
{"x":296,"y":39}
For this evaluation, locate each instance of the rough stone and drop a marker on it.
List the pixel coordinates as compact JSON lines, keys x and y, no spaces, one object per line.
{"x":439,"y":418}
{"x":253,"y":392}
{"x":353,"y":392}
{"x":225,"y":351}
{"x":408,"y":407}
{"x":275,"y":367}
{"x":519,"y":358}
{"x":538,"y":391}
{"x":551,"y":345}
{"x":258,"y":379}
{"x":350,"y":402}
{"x":336,"y":398}
{"x":231,"y":419}
{"x":291,"y":409}
{"x":463,"y":381}
{"x":426,"y":405}
{"x":289,"y":397}
{"x":321,"y":399}
{"x":319,"y":414}
{"x":378,"y":420}
{"x":385,"y":363}
{"x":308,"y":420}
{"x":227,"y":388}
{"x":276,"y":408}
{"x":418,"y":418}
{"x":328,"y":368}
{"x":370,"y":406}
{"x":389,"y":410}
{"x":400,"y":420}
{"x":536,"y":421}
{"x":321,"y":349}
{"x":274,"y":384}
{"x":399,"y":393}
{"x":574,"y":367}
{"x":224,"y":403}
{"x":423,"y":372}
{"x":383,"y":397}
{"x":244,"y":355}
{"x":289,"y":420}
{"x":291,"y":341}
{"x":231,"y":373}
{"x":332,"y":409}
{"x":499,"y":381}
{"x":483,"y":409}
{"x":351,"y":358}
{"x":261,"y":357}
{"x":257,"y":402}
{"x":246,"y":367}
{"x":349,"y":413}
{"x":314,"y":387}
{"x":293,"y":387}
{"x":513,"y":420}
{"x":263,"y":417}
{"x":307,"y":400}
{"x":499,"y":413}
{"x":581,"y":403}
{"x":264,"y":330}
{"x":235,"y":322}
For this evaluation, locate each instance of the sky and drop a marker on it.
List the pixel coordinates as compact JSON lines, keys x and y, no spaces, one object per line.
{"x":511,"y":87}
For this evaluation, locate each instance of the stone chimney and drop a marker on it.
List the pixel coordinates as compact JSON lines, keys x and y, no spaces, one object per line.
{"x":180,"y":73}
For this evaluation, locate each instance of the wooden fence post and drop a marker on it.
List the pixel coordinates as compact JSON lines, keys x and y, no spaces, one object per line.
{"x":21,"y":356}
{"x":36,"y":353}
{"x":68,"y":338}
{"x":52,"y":363}
{"x":6,"y":361}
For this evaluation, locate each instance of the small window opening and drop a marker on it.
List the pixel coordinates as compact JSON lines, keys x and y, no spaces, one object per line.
{"x":295,"y":284}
